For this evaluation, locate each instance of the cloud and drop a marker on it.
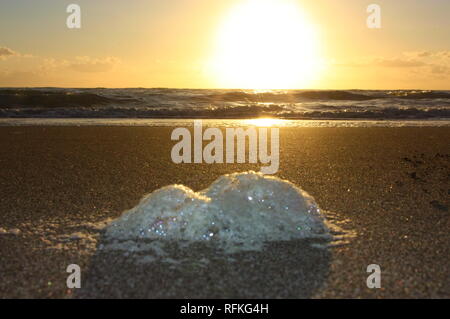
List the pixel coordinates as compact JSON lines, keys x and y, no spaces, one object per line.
{"x":440,"y":69}
{"x":428,"y":54}
{"x":82,"y":64}
{"x":50,"y":71}
{"x":18,"y":78}
{"x":7,"y":52}
{"x":52,"y":64}
{"x":426,"y":63}
{"x":92,"y":65}
{"x":398,"y":63}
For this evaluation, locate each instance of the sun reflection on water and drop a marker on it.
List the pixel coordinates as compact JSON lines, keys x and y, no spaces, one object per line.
{"x":266,"y":122}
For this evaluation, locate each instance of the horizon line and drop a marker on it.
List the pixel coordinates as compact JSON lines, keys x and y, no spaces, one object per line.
{"x":206,"y":88}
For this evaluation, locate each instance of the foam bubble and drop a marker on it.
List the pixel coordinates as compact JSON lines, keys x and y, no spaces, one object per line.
{"x":240,"y":210}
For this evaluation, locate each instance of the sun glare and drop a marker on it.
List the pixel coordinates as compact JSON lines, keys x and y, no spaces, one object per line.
{"x":266,"y":44}
{"x":264,"y":122}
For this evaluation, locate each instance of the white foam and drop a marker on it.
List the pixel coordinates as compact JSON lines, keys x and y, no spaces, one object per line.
{"x":219,"y":122}
{"x":240,"y":210}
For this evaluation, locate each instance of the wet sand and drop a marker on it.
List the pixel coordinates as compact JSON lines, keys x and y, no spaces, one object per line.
{"x":391,"y":185}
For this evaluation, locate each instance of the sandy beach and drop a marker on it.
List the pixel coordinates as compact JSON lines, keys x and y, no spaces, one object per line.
{"x":390,"y":186}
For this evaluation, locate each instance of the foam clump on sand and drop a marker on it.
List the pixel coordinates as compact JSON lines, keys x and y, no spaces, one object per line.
{"x":245,"y":209}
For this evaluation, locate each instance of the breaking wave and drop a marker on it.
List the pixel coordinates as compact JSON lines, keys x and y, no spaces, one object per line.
{"x":232,"y":104}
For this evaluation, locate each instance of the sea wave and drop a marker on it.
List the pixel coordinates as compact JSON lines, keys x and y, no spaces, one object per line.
{"x":185,"y":103}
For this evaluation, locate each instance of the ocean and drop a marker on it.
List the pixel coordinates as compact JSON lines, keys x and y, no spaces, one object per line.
{"x":163,"y":103}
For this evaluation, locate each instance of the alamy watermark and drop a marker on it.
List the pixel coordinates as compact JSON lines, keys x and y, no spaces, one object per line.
{"x":74,"y":19}
{"x":230,"y":148}
{"x":374,"y":18}
{"x":74,"y":279}
{"x":237,"y":145}
{"x":374,"y":279}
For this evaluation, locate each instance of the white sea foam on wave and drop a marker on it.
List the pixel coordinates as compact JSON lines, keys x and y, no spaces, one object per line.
{"x":218,"y":122}
{"x":237,"y":104}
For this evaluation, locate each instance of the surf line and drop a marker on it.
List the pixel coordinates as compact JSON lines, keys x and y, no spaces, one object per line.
{"x":235,"y":143}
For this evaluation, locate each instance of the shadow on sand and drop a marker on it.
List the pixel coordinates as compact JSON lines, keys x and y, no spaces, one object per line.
{"x":293,"y":269}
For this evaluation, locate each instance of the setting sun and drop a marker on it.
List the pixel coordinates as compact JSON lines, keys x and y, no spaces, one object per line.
{"x":266,"y":44}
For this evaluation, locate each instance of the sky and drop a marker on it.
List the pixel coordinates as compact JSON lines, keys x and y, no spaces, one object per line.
{"x":305,"y":44}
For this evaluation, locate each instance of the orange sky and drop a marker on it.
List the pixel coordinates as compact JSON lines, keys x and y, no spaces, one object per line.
{"x":226,"y":43}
